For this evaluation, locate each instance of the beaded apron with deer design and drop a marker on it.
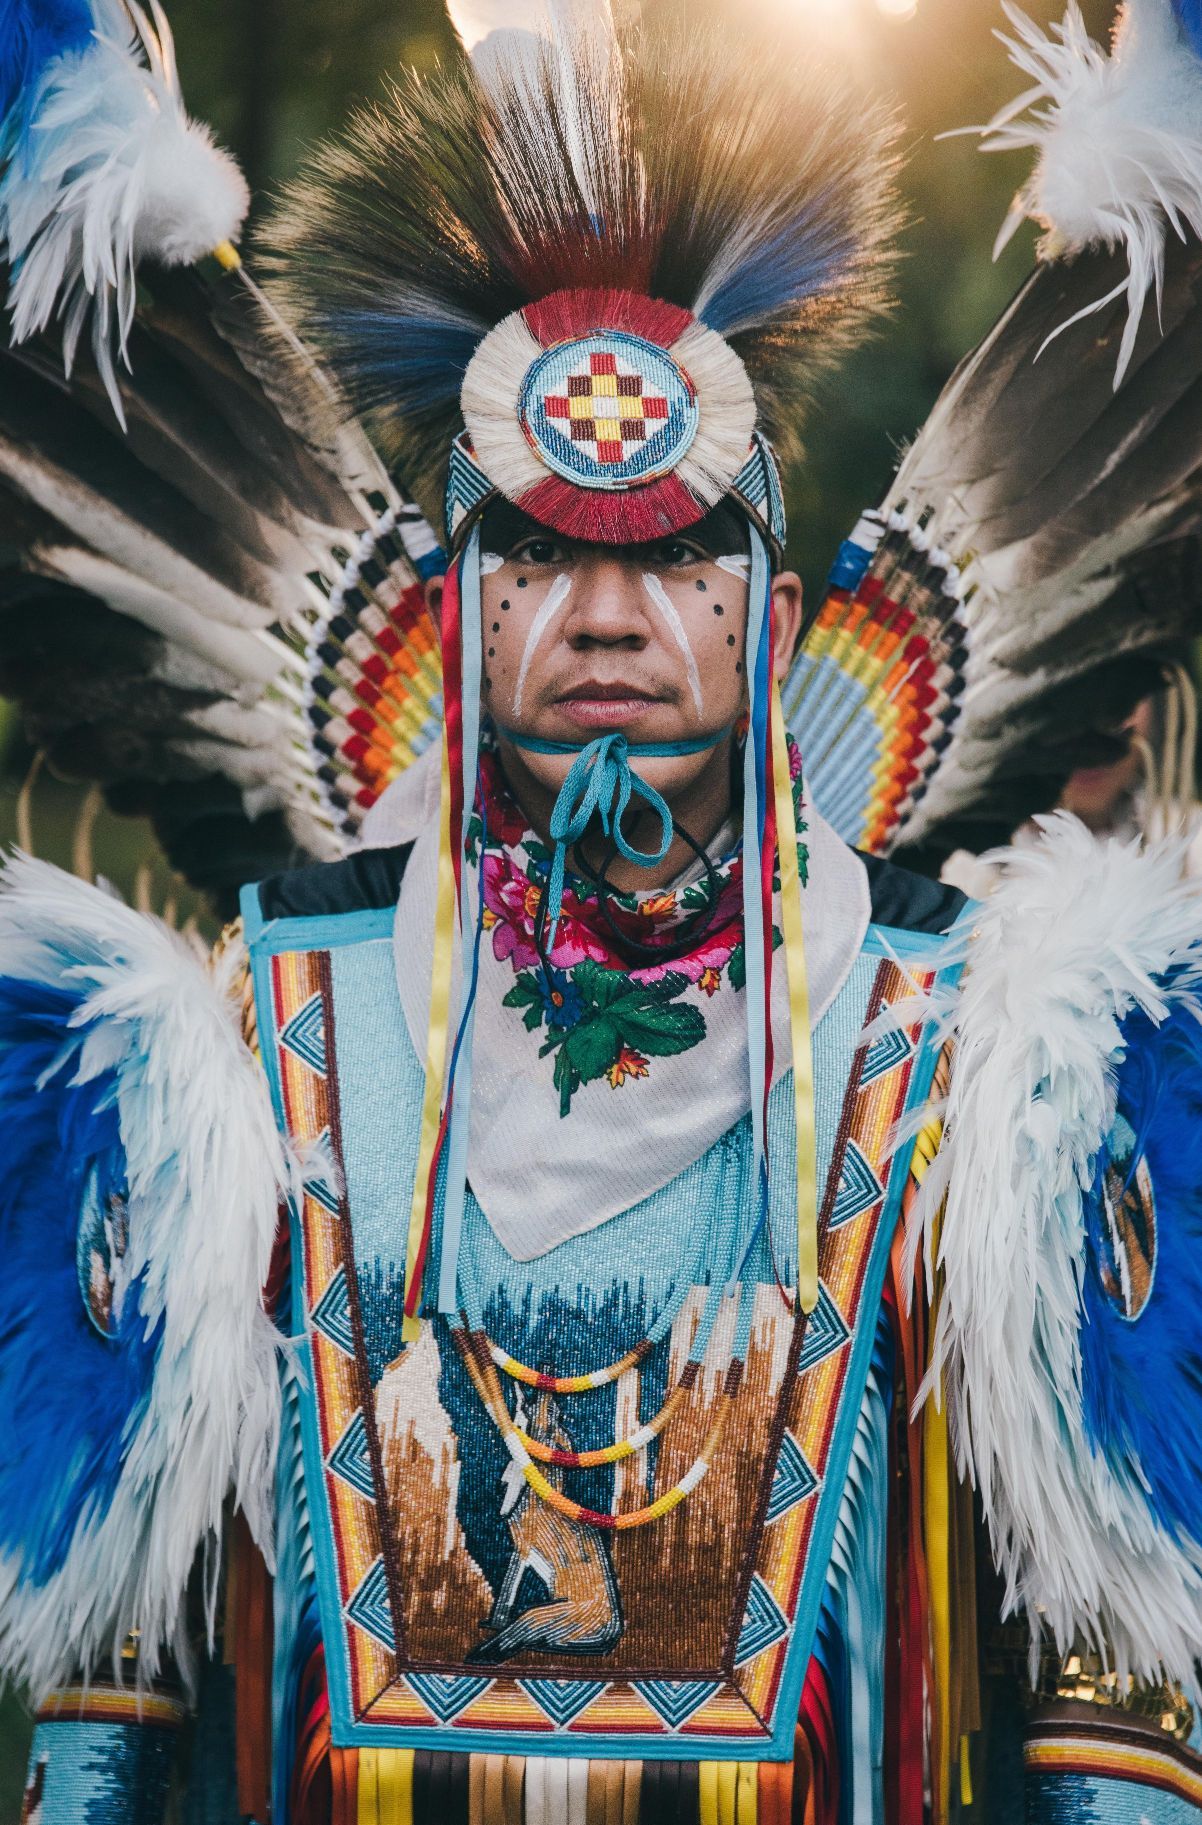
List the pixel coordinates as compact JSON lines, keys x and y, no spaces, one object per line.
{"x":466,"y":1605}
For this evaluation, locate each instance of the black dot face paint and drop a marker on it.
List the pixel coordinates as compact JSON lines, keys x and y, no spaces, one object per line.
{"x":701,"y":585}
{"x":492,"y":652}
{"x":738,"y":665}
{"x":718,"y":609}
{"x":505,"y":603}
{"x":730,"y":639}
{"x":496,"y":627}
{"x":521,"y":582}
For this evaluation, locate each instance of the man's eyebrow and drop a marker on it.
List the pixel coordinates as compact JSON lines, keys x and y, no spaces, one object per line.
{"x":504,"y":525}
{"x":720,"y":533}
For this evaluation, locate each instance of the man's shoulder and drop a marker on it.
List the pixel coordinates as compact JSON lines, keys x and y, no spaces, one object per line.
{"x":910,"y":902}
{"x":367,"y":881}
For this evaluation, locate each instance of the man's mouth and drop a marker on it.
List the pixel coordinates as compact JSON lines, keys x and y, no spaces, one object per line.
{"x":595,"y":704}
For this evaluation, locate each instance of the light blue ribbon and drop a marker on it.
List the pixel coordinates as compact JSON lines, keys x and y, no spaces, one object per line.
{"x":460,"y":1080}
{"x":600,"y":784}
{"x":755,"y":754}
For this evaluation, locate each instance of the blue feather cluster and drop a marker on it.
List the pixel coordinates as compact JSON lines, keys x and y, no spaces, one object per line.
{"x":32,"y":34}
{"x":69,"y":1396}
{"x":1141,"y":1332}
{"x":806,"y":256}
{"x":1189,"y":17}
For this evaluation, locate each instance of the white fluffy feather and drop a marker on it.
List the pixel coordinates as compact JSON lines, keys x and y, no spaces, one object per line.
{"x":1078,"y":934}
{"x":205,"y":1171}
{"x":116,"y":172}
{"x":1118,"y":138}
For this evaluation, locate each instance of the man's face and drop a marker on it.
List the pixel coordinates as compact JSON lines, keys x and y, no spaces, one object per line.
{"x":580,"y":639}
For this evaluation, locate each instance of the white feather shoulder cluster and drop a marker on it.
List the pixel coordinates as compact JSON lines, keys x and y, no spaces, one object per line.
{"x":205,"y":1172}
{"x":1079,"y":933}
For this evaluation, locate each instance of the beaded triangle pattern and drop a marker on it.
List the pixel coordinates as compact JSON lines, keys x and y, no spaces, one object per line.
{"x":859,"y":1187}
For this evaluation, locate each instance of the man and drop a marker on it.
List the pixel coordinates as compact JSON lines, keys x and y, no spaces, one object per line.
{"x":621,"y":1248}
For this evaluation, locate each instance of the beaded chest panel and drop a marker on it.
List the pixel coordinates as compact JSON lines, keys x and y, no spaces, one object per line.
{"x":458,"y":1609}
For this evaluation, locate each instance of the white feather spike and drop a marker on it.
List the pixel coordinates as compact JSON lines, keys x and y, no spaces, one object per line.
{"x":518,"y":44}
{"x":110,"y":170}
{"x":1118,"y":139}
{"x":205,"y":1170}
{"x":1079,"y":933}
{"x":491,"y":28}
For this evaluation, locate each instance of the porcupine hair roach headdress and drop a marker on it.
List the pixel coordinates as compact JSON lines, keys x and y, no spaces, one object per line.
{"x":692,"y":225}
{"x":595,"y":275}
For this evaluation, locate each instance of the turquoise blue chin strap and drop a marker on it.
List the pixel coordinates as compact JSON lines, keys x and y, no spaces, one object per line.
{"x":600,"y":784}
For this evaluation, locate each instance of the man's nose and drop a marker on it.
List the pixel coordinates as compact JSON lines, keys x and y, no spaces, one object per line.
{"x":607,"y":605}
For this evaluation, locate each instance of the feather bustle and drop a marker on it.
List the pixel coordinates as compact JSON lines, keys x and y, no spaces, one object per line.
{"x":205,"y":1170}
{"x":1080,"y":935}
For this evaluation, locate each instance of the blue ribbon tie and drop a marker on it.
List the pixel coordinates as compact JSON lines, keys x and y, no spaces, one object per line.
{"x":600,"y":784}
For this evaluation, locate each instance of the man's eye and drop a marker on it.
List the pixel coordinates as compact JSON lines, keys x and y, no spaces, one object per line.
{"x":538,"y":551}
{"x":674,"y":554}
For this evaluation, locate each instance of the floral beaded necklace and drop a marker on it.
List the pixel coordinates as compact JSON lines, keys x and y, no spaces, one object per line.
{"x":599,"y":1002}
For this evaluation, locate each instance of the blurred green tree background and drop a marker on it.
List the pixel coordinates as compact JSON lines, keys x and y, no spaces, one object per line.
{"x":272,"y":77}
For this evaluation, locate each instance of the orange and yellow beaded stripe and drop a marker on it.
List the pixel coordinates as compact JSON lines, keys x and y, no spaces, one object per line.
{"x":569,"y":1384}
{"x":1114,"y":1754}
{"x":484,"y":1380}
{"x":299,"y":988}
{"x":101,"y":1704}
{"x":874,"y":1110}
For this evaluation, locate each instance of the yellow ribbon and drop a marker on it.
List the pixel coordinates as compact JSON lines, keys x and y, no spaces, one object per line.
{"x":799,"y":1013}
{"x":436,"y":1039}
{"x":937,"y":1531}
{"x":385,"y":1793}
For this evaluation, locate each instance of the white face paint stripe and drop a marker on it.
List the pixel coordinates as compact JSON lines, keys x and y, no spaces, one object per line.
{"x":490,"y":561}
{"x":735,"y":565}
{"x":667,"y":609}
{"x":552,"y":602}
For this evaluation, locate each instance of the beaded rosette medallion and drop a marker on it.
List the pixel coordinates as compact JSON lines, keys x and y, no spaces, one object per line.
{"x":653,"y":1591}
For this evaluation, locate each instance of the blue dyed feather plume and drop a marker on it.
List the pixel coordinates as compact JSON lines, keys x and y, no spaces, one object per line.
{"x":1189,"y":17}
{"x":69,"y":1394}
{"x":32,"y":34}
